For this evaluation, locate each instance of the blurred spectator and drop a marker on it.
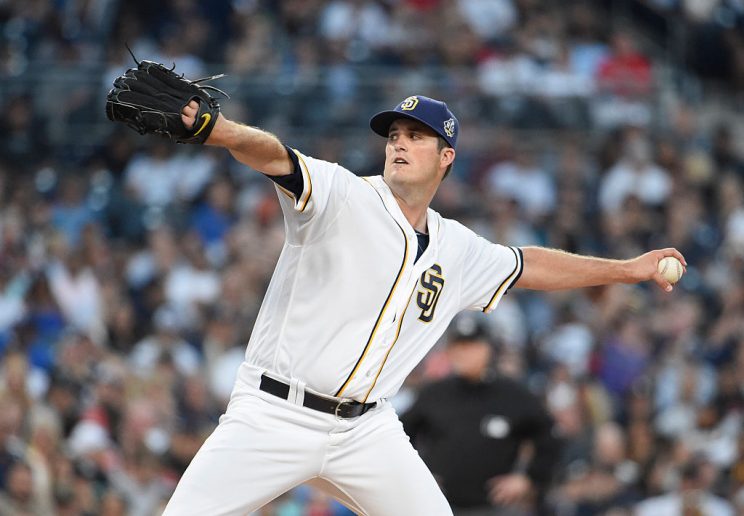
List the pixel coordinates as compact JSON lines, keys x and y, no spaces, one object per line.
{"x":163,"y":176}
{"x":24,"y":144}
{"x":625,"y":72}
{"x":524,"y":181}
{"x":606,"y":480}
{"x":507,"y":72}
{"x":570,"y":344}
{"x":724,"y":152}
{"x":213,"y":218}
{"x":98,"y":429}
{"x":71,"y":213}
{"x":625,"y":83}
{"x":358,"y":23}
{"x":138,"y":486}
{"x":114,"y":503}
{"x":77,"y":291}
{"x":682,"y":388}
{"x":19,"y":496}
{"x":625,"y":356}
{"x":490,"y":19}
{"x":560,"y":80}
{"x":196,"y":413}
{"x":164,"y":345}
{"x":12,"y":305}
{"x":587,"y":51}
{"x":635,"y":174}
{"x":156,"y":260}
{"x":223,"y":353}
{"x":251,"y":49}
{"x":11,"y":445}
{"x":192,"y":283}
{"x":508,"y":223}
{"x":692,"y":497}
{"x":176,"y":45}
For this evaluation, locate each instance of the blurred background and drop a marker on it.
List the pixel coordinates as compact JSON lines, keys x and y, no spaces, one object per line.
{"x":131,"y":269}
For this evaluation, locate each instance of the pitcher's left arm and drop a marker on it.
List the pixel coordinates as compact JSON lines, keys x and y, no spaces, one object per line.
{"x":552,"y":269}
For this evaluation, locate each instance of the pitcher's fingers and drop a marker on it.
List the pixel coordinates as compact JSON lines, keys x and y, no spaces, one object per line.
{"x":190,"y":109}
{"x":670,"y":251}
{"x":188,"y":121}
{"x":663,"y":284}
{"x":681,"y":258}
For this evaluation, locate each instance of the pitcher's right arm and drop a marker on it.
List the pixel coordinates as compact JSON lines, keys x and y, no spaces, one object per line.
{"x":251,"y":146}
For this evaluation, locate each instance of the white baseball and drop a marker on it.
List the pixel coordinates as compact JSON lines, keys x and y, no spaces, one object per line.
{"x":671,"y":269}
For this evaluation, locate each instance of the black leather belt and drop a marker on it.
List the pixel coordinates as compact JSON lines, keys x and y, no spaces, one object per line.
{"x":344,"y":409}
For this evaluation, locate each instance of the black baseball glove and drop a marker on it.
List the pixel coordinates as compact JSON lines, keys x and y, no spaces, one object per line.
{"x":149,"y":99}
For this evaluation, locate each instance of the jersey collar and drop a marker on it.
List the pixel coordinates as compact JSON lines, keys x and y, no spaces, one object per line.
{"x":432,"y":219}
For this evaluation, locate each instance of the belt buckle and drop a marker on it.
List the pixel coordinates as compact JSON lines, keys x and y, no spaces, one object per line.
{"x":338,"y":407}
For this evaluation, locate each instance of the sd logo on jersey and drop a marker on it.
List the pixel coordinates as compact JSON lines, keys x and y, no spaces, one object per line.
{"x":432,"y":283}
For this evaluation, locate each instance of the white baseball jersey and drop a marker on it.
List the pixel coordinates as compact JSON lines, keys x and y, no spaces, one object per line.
{"x":349,"y":310}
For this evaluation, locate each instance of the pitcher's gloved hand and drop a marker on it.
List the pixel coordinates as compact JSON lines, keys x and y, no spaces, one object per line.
{"x":151,"y":97}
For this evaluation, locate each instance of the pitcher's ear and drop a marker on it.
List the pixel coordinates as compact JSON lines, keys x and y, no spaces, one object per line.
{"x":447,"y":156}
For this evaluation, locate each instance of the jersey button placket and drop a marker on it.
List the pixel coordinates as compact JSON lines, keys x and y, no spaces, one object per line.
{"x":411,"y":278}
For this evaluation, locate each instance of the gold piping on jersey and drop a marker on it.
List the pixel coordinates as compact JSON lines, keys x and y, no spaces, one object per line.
{"x":397,"y":333}
{"x":507,"y":282}
{"x":367,"y":346}
{"x":306,"y":175}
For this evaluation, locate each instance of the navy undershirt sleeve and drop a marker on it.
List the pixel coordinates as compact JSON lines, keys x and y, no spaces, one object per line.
{"x":293,"y":182}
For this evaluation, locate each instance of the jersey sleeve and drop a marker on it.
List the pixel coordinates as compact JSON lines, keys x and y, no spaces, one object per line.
{"x":314,"y":192}
{"x":489,"y":272}
{"x":292,"y":184}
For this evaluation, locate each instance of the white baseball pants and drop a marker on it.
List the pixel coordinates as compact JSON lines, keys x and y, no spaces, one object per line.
{"x":264,"y":446}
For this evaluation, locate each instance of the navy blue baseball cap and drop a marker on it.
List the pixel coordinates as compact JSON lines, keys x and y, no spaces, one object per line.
{"x":432,"y":113}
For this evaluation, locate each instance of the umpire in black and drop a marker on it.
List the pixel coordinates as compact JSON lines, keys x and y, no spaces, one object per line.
{"x":472,"y":428}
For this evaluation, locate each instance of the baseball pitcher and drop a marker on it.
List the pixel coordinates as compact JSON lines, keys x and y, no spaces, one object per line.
{"x":368,"y":280}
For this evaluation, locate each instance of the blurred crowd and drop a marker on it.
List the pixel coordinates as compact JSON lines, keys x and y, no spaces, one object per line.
{"x":132,"y":269}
